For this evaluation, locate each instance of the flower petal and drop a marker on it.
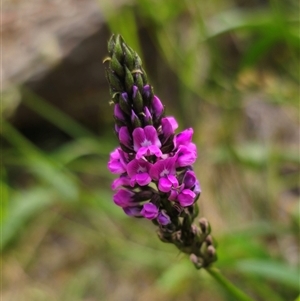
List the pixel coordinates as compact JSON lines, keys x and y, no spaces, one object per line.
{"x":186,"y":197}
{"x":149,"y":211}
{"x":164,"y":185}
{"x":138,"y":138}
{"x":124,"y":137}
{"x":123,"y":197}
{"x":184,"y":138}
{"x":143,"y":179}
{"x":151,"y":135}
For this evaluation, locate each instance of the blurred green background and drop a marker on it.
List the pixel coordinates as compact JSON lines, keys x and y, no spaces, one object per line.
{"x":230,"y":70}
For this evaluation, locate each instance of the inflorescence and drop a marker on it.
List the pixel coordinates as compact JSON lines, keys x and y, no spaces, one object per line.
{"x":155,"y":165}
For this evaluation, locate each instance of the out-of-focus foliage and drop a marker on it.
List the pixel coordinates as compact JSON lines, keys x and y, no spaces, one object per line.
{"x":236,"y":70}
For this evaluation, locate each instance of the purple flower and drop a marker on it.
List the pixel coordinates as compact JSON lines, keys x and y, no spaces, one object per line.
{"x":186,"y":197}
{"x":146,"y":142}
{"x":148,"y":116}
{"x":138,"y":171}
{"x":116,"y":163}
{"x":169,"y":125}
{"x":125,"y":137}
{"x":123,"y":197}
{"x":149,"y":211}
{"x":164,"y":172}
{"x":189,"y":179}
{"x":133,"y":211}
{"x":123,"y":180}
{"x":184,"y":137}
{"x":157,"y":106}
{"x":163,"y":218}
{"x":147,"y":90}
{"x":186,"y":155}
{"x":118,"y":113}
{"x":197,"y":188}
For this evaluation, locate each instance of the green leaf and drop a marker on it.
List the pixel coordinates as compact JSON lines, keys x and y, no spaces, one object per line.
{"x":22,"y":207}
{"x":272,"y":270}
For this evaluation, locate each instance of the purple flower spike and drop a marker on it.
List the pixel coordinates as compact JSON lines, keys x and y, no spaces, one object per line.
{"x":138,"y":171}
{"x":146,"y":142}
{"x":123,"y":197}
{"x":186,"y":197}
{"x":149,"y":211}
{"x":163,"y":218}
{"x":156,"y":179}
{"x":157,"y":106}
{"x":124,"y":137}
{"x":116,"y":163}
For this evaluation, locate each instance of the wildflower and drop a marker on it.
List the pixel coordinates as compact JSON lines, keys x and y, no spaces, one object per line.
{"x":155,"y":165}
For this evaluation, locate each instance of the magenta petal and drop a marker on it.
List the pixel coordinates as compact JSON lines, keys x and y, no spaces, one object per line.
{"x":124,"y":137}
{"x":143,"y":179}
{"x":134,"y":91}
{"x":149,"y":211}
{"x":154,"y":150}
{"x":138,"y":138}
{"x":173,"y":180}
{"x":185,"y":156}
{"x":163,"y":218}
{"x":118,"y":113}
{"x":141,"y":152}
{"x":147,"y":90}
{"x":133,"y":211}
{"x":163,"y":168}
{"x":123,"y":180}
{"x":123,"y":197}
{"x":148,"y":116}
{"x":116,"y":163}
{"x":157,"y":106}
{"x":189,"y":179}
{"x":151,"y":135}
{"x":184,"y":138}
{"x":186,"y":197}
{"x":169,"y":125}
{"x":164,"y":185}
{"x":173,"y":195}
{"x":197,"y":188}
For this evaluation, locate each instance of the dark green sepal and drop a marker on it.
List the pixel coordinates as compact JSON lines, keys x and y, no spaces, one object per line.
{"x":128,"y":57}
{"x":116,"y":66}
{"x":124,"y":105}
{"x":129,"y":80}
{"x":138,"y":102}
{"x":114,"y":82}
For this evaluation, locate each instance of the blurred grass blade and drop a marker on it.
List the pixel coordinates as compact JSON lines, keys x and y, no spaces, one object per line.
{"x":23,"y":206}
{"x":54,"y":115}
{"x":45,"y":169}
{"x":271,"y":270}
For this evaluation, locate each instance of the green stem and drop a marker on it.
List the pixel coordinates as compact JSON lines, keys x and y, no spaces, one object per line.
{"x":228,"y":286}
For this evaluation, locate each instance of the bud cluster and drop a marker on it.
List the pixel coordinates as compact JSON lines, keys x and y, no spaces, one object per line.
{"x":155,"y":165}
